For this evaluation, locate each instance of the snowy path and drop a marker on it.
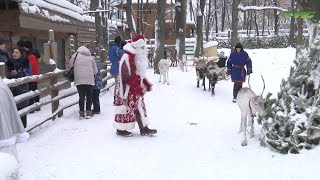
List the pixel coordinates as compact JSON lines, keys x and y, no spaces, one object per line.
{"x":70,"y":148}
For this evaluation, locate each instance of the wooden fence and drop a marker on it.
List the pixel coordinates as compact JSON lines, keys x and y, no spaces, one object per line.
{"x":56,"y":89}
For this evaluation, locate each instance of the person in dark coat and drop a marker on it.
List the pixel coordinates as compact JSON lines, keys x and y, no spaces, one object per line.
{"x":18,"y":66}
{"x":3,"y":51}
{"x":34,"y":61}
{"x":115,"y":53}
{"x":222,"y":59}
{"x":236,"y":68}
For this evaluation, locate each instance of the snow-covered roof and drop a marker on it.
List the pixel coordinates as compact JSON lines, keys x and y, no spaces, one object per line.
{"x":150,"y":1}
{"x":43,"y":7}
{"x":210,"y":44}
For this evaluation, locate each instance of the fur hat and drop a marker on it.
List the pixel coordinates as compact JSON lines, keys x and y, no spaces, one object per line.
{"x":28,"y":44}
{"x":138,"y":41}
{"x":117,"y":39}
{"x":2,"y":41}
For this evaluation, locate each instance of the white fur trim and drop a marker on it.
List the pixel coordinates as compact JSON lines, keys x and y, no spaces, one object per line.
{"x":129,"y":48}
{"x":120,"y":109}
{"x":138,"y":44}
{"x":125,"y":58}
{"x":123,"y":126}
{"x":8,"y":142}
{"x":144,"y":119}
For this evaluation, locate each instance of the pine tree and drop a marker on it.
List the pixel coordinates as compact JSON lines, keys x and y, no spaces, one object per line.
{"x":293,"y":118}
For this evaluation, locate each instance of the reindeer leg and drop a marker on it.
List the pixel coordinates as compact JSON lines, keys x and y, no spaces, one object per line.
{"x":168,"y":77}
{"x":160,"y":77}
{"x":197,"y":83}
{"x":252,"y":127}
{"x":204,"y":83}
{"x":244,"y":128}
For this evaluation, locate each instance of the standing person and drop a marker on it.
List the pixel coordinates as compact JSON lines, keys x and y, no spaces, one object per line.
{"x":237,"y":60}
{"x":222,"y":59}
{"x":11,"y":127}
{"x":18,"y":66}
{"x":85,"y":69}
{"x":115,"y":53}
{"x":131,"y":86}
{"x":4,"y":57}
{"x":34,"y":61}
{"x":96,"y":89}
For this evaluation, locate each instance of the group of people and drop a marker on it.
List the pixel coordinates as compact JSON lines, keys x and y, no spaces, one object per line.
{"x":23,"y":61}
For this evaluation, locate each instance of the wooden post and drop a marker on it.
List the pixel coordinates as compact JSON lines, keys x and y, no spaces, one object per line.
{"x":103,"y":62}
{"x":2,"y":70}
{"x":52,"y":52}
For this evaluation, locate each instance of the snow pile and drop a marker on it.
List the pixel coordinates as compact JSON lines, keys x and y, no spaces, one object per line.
{"x":8,"y":166}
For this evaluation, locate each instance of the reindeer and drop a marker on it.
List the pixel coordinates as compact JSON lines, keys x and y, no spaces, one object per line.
{"x":249,"y":104}
{"x":151,"y":57}
{"x":164,"y":65}
{"x":201,"y":70}
{"x":183,"y":63}
{"x":212,"y":75}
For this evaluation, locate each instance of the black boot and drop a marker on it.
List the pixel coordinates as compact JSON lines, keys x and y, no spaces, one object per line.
{"x":114,"y":100}
{"x":236,"y":89}
{"x":144,"y":130}
{"x":124,"y":133}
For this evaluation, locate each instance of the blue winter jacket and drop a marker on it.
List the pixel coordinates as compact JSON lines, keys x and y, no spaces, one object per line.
{"x":236,"y":64}
{"x":115,"y":53}
{"x":98,"y":77}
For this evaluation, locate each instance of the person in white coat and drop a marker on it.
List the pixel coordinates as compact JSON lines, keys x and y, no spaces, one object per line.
{"x":85,"y":69}
{"x":11,"y":127}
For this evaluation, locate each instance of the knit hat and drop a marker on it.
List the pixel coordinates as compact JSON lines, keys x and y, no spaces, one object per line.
{"x":28,"y":44}
{"x":239,"y":45}
{"x":138,"y":41}
{"x":2,"y":41}
{"x":117,"y":39}
{"x":20,"y":43}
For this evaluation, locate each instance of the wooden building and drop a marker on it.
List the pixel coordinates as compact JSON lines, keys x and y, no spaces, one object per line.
{"x":31,"y":20}
{"x":149,"y":18}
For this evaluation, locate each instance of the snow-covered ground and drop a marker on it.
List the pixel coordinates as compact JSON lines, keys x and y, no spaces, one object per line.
{"x":197,"y":136}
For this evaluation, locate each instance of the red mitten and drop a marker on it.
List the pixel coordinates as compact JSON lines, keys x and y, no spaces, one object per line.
{"x":147,"y":84}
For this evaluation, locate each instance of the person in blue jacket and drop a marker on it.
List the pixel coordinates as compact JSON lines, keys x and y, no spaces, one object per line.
{"x":236,"y":68}
{"x":115,"y":53}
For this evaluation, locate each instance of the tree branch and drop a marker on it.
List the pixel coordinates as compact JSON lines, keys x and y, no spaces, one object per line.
{"x":259,"y":8}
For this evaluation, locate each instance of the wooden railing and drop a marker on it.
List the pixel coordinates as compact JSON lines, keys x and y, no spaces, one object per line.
{"x":55,"y":90}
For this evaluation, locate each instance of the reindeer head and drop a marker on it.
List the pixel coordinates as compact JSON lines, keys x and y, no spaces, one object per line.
{"x":257,"y":102}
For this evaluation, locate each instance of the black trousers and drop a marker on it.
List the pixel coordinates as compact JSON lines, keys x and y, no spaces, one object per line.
{"x":85,"y":94}
{"x":236,"y":89}
{"x":24,"y":120}
{"x":95,"y":100}
{"x":33,"y":86}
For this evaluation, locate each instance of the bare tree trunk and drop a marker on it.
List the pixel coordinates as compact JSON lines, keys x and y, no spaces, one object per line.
{"x":251,"y":19}
{"x":191,"y":10}
{"x":244,"y":26}
{"x":181,"y":17}
{"x":255,"y":19}
{"x":99,"y":29}
{"x":138,"y":18}
{"x":276,"y":18}
{"x":216,"y":16}
{"x":199,"y":46}
{"x":223,"y":15}
{"x":104,"y":19}
{"x":263,"y":17}
{"x":235,"y":20}
{"x":268,"y":22}
{"x":292,"y":26}
{"x":141,"y":17}
{"x":129,"y":18}
{"x":208,"y":21}
{"x":160,"y":36}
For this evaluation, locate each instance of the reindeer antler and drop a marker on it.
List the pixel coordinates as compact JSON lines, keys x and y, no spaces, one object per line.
{"x":264,"y":85}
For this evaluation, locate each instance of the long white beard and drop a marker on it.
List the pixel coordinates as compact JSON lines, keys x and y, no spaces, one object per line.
{"x":141,"y":61}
